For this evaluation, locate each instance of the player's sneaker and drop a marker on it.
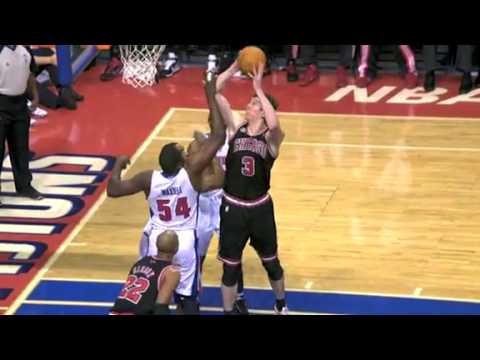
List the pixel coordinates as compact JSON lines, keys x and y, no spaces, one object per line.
{"x":284,"y":310}
{"x":36,"y":112}
{"x":240,"y":307}
{"x":113,"y":69}
{"x":466,"y":84}
{"x":310,"y":75}
{"x":212,"y":64}
{"x":171,"y":66}
{"x":362,"y":82}
{"x":66,"y":99}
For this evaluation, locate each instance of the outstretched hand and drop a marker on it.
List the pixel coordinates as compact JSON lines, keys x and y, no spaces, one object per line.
{"x":123,"y":161}
{"x":257,"y":76}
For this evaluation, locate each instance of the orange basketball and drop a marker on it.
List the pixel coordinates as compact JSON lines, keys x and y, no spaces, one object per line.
{"x":250,"y":57}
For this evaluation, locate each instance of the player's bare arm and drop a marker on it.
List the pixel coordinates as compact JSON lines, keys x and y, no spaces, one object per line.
{"x":118,"y":187}
{"x":275,"y":134}
{"x":199,"y":160}
{"x":213,"y":176}
{"x":165,"y":293}
{"x":232,"y":123}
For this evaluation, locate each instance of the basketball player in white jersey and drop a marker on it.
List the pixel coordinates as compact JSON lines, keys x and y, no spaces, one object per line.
{"x":173,"y":195}
{"x":209,"y":206}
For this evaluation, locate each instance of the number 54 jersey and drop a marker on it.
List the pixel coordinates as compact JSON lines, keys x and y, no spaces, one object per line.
{"x":173,"y":202}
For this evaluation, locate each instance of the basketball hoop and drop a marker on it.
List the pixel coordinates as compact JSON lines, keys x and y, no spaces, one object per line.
{"x":140,"y":64}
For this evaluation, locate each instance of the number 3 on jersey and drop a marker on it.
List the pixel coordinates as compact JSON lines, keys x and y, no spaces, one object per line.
{"x":165,"y":211}
{"x":248,"y":166}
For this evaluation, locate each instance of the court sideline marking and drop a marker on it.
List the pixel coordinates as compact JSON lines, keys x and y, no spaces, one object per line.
{"x":172,"y":307}
{"x":355,"y":116}
{"x":326,"y":291}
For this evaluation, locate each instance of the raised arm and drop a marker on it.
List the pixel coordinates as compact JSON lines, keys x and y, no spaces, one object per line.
{"x":275,"y":134}
{"x":117,"y":187}
{"x":199,"y":160}
{"x":231,"y":122}
{"x":226,"y":75}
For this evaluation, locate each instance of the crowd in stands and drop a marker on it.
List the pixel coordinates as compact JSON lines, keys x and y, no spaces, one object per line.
{"x":301,"y":64}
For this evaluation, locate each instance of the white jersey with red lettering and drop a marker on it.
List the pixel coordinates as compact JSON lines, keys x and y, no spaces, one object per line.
{"x":173,"y":202}
{"x":173,"y":206}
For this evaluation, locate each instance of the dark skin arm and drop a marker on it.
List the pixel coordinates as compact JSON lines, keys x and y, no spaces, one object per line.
{"x":198,"y":161}
{"x":213,"y":176}
{"x":118,"y":187}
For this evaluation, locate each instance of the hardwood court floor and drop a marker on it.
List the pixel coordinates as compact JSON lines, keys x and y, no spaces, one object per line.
{"x":363,"y":204}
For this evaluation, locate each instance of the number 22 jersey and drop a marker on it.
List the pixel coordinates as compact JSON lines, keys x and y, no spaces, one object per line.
{"x":140,"y":292}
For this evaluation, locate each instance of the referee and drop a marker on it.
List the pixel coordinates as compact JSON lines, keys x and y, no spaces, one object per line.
{"x":16,"y":81}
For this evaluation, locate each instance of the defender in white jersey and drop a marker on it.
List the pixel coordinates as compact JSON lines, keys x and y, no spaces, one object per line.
{"x":209,"y":208}
{"x":209,"y":223}
{"x":173,"y":195}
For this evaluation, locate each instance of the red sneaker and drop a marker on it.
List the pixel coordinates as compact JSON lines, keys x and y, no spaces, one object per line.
{"x":310,"y":75}
{"x":362,"y":82}
{"x":342,"y":79}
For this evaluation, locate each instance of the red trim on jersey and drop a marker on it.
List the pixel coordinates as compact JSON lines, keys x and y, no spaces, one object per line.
{"x":270,"y":258}
{"x":230,"y":262}
{"x":246,"y":203}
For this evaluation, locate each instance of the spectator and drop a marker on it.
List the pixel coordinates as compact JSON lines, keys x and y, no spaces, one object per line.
{"x":171,"y":65}
{"x":66,"y":96}
{"x":463,"y":64}
{"x":409,"y":57}
{"x":114,"y":66}
{"x":312,"y":73}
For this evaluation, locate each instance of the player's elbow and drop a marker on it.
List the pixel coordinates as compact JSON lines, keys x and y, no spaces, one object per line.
{"x":112,"y":191}
{"x":218,"y":136}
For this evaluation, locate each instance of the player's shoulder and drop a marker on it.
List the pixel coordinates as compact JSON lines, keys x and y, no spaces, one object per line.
{"x":173,"y":268}
{"x":172,"y":272}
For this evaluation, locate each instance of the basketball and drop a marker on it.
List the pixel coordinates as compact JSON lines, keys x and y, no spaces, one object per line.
{"x":250,"y":57}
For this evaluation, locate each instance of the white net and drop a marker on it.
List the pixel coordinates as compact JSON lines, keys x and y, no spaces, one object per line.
{"x":140,"y":64}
